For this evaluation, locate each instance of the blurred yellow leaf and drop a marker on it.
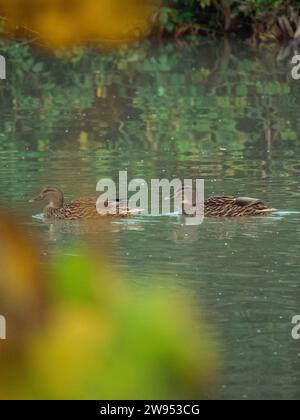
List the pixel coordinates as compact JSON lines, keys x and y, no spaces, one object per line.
{"x":62,"y":23}
{"x":22,"y":284}
{"x":101,"y":339}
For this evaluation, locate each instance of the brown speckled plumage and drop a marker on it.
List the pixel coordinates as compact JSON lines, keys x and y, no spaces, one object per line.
{"x":225,"y":206}
{"x":81,"y":208}
{"x":235,"y":206}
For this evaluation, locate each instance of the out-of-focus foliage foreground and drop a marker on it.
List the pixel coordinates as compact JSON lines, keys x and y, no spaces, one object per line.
{"x":79,"y":332}
{"x":63,"y":23}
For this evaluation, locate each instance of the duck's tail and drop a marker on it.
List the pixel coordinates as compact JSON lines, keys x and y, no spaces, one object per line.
{"x":266,"y":211}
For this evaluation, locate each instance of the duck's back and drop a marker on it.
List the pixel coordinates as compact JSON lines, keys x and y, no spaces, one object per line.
{"x":86,"y":208}
{"x":229,"y":206}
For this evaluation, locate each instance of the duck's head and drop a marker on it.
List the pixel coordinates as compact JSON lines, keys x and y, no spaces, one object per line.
{"x":53,"y":195}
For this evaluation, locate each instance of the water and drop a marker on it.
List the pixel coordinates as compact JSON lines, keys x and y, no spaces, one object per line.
{"x":221,"y":112}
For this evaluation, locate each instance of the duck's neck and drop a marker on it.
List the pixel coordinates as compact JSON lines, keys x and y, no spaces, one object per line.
{"x":52,"y":206}
{"x":50,"y":211}
{"x":56,"y":202}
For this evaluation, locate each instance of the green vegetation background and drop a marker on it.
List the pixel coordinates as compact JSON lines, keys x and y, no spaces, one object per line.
{"x":219,"y":15}
{"x":147,"y":97}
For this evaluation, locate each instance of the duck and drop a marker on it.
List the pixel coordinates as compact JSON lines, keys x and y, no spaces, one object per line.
{"x":81,"y":208}
{"x":222,"y":206}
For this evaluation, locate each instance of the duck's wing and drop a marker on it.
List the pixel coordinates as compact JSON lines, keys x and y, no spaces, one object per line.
{"x":248,"y":201}
{"x":259,"y":207}
{"x":238,"y":201}
{"x":236,"y":206}
{"x":81,"y":208}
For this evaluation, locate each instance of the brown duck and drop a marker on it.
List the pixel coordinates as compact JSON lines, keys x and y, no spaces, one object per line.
{"x":81,"y":208}
{"x":225,"y":206}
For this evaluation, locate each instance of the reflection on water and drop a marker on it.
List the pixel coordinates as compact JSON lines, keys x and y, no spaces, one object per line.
{"x":224,"y":113}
